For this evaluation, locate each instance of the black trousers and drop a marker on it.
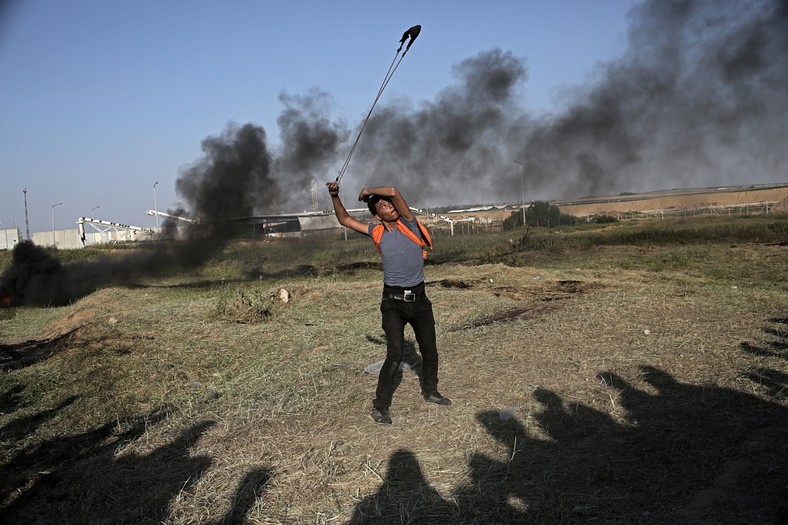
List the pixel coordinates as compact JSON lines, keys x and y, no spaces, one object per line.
{"x":396,"y":314}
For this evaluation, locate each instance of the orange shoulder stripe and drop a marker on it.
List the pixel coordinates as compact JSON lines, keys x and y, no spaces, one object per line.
{"x":424,"y":242}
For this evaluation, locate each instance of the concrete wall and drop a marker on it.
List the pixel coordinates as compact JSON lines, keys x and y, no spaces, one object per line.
{"x":64,"y":239}
{"x":69,"y":239}
{"x":326,"y":222}
{"x":9,"y":238}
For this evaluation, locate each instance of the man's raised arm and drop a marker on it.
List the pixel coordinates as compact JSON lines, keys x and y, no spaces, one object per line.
{"x":343,"y":216}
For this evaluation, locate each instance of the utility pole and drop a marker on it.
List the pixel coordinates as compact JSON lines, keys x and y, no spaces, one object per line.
{"x":155,"y":206}
{"x":27,"y":222}
{"x":313,"y":192}
{"x":54,"y":240}
{"x":522,"y":186}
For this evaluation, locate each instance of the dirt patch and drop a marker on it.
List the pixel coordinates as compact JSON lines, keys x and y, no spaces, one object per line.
{"x":537,"y":298}
{"x":526,"y":312}
{"x":451,"y":283}
{"x":73,"y":326}
{"x":362,"y":265}
{"x":571,"y":286}
{"x":561,"y":289}
{"x":71,"y":322}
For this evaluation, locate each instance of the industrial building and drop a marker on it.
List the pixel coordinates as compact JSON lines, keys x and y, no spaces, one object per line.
{"x":91,"y":232}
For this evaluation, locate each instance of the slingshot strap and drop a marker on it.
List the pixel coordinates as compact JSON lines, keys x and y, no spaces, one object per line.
{"x":425,"y":241}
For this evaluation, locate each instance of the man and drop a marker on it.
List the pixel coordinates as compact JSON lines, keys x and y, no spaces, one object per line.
{"x":400,"y":240}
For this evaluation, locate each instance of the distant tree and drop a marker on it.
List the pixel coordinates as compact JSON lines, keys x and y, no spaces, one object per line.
{"x":513,"y":221}
{"x":568,"y":220}
{"x":540,"y":213}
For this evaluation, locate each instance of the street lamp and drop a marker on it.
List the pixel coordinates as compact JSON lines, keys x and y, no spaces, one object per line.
{"x":54,"y":241}
{"x":94,"y":208}
{"x":522,"y":186}
{"x":155,"y":206}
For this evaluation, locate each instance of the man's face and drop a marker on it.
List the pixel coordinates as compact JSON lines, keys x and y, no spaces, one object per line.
{"x":386,"y":211}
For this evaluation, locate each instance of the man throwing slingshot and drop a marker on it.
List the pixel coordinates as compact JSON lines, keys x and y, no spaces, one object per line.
{"x":401,"y":241}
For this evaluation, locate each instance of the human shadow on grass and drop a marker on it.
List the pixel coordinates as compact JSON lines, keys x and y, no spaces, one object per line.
{"x":403,"y":497}
{"x":774,"y":381}
{"x":19,"y":428}
{"x":21,"y":355}
{"x":538,"y":479}
{"x":250,"y":489}
{"x":722,"y":451}
{"x":11,"y":400}
{"x":681,"y":455}
{"x":673,"y":453}
{"x":83,"y":479}
{"x":776,"y":346}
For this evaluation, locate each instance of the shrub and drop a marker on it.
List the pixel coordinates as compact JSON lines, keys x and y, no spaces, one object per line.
{"x":244,"y":306}
{"x":540,"y":213}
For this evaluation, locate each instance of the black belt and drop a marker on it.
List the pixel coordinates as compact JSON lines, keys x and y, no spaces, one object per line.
{"x":409,"y":296}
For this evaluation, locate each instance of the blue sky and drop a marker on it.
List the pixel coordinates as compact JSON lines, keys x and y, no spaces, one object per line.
{"x":99,"y":100}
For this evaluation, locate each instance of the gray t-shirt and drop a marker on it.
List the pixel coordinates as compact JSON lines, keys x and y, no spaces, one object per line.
{"x":403,"y":261}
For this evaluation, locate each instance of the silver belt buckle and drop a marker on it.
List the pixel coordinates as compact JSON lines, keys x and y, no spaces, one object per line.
{"x":409,"y":297}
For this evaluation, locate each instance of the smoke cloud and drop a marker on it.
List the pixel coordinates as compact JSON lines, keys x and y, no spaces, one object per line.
{"x":450,"y":148}
{"x":310,"y":145}
{"x":231,"y":180}
{"x":697,"y":98}
{"x":235,"y":178}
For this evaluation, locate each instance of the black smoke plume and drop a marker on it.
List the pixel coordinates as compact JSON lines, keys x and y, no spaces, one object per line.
{"x":310,"y":144}
{"x":233,"y":179}
{"x":451,"y":148}
{"x":237,"y":177}
{"x":698,"y":98}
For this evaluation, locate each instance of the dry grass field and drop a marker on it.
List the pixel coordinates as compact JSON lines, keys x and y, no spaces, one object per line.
{"x":720,"y":201}
{"x":616,"y":383}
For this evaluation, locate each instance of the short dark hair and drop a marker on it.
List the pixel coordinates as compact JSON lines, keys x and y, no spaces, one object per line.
{"x":373,"y":200}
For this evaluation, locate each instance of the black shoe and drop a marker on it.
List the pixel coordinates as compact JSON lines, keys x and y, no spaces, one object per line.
{"x":381,"y":416}
{"x":437,"y":399}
